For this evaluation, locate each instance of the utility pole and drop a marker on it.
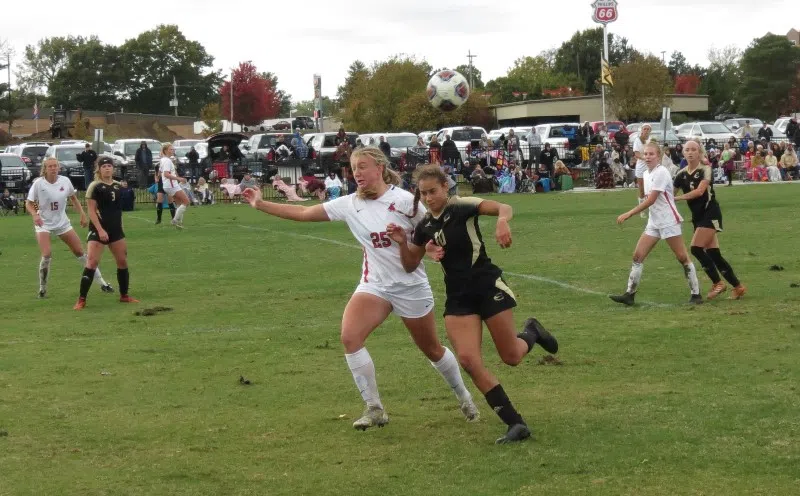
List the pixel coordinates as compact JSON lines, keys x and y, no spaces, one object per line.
{"x":8,"y":54}
{"x":175,"y":94}
{"x":470,"y":56}
{"x":663,"y":60}
{"x":231,"y":100}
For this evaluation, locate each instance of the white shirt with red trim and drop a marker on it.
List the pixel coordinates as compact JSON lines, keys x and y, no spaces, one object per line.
{"x":663,"y":213}
{"x":367,"y":220}
{"x":52,"y":199}
{"x":166,"y":165}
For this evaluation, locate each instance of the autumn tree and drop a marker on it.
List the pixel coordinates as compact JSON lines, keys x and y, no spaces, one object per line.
{"x":769,"y":75}
{"x":254,"y":97}
{"x":284,"y":98}
{"x":641,"y":89}
{"x":687,"y":84}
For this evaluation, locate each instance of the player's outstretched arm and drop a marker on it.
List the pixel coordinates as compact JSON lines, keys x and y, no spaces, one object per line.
{"x":410,"y":254}
{"x":299,"y":213}
{"x":504,"y":213}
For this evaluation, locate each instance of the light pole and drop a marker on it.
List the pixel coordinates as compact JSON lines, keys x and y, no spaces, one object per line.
{"x":663,"y":60}
{"x":291,"y":124}
{"x":231,"y":100}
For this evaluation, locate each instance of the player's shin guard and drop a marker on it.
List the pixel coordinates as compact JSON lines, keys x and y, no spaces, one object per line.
{"x":708,"y":265}
{"x":363,"y":370}
{"x":448,"y":368}
{"x":498,"y":400}
{"x":44,"y":273}
{"x":159,"y":211}
{"x":97,"y":275}
{"x":179,"y":214}
{"x":691,"y":276}
{"x":123,"y":279}
{"x":86,"y":281}
{"x":172,"y":210}
{"x":724,"y":267}
{"x":634,"y":277}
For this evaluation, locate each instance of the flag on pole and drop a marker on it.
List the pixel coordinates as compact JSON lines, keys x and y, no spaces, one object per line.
{"x":605,"y":73}
{"x":36,"y":109}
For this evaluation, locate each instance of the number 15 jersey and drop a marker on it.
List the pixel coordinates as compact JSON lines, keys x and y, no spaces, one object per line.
{"x":52,"y":200}
{"x":367,"y":220}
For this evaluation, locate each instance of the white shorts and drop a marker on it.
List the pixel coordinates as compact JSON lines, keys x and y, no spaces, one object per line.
{"x":58,"y":230}
{"x":640,"y":170}
{"x":172,"y":191}
{"x":667,"y":232}
{"x":411,"y":302}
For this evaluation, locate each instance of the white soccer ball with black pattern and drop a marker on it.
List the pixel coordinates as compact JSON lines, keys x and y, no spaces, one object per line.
{"x":448,"y":90}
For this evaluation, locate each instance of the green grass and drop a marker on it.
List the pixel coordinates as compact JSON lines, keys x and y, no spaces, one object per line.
{"x":656,"y":399}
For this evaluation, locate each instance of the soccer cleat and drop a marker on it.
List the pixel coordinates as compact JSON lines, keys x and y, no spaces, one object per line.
{"x":177,"y":225}
{"x":543,"y":336}
{"x":80,"y":304}
{"x":625,"y":299}
{"x":42,"y":293}
{"x":158,"y":221}
{"x":515,"y":434}
{"x":107,"y":288}
{"x":716,"y":290}
{"x":738,"y":292}
{"x":127,"y":299}
{"x":374,"y":416}
{"x":470,"y":411}
{"x":696,"y":299}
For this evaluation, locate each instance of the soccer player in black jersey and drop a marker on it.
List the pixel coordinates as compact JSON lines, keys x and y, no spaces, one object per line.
{"x":476,"y":292}
{"x":105,"y":228}
{"x":695,"y":181}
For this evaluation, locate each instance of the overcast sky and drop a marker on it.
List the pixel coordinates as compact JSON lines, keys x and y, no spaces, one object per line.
{"x":297,"y":39}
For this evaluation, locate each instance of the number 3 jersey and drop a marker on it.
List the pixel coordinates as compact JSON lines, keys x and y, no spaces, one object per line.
{"x":52,"y":200}
{"x":367,"y":220}
{"x":109,"y":205}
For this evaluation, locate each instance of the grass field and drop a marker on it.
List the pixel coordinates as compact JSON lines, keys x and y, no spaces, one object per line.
{"x":662,"y":398}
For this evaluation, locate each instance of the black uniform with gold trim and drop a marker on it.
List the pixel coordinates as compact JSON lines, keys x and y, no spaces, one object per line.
{"x":705,"y":209}
{"x":109,"y":210}
{"x":473,"y":284}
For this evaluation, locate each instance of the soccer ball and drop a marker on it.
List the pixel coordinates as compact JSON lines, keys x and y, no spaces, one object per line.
{"x":448,"y":90}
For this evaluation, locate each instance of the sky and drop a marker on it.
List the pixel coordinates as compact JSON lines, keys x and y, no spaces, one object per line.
{"x":297,"y":40}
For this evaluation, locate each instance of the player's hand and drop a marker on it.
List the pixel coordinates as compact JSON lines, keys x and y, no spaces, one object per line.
{"x":622,"y":218}
{"x":434,"y":251}
{"x":84,"y":222}
{"x":252,"y":195}
{"x":38,"y":220}
{"x":103,"y":235}
{"x":396,"y":233}
{"x":503,"y":233}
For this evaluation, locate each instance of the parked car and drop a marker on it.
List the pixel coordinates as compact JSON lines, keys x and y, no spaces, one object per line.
{"x":426,"y":136}
{"x":611,"y":127}
{"x":706,"y":130}
{"x":32,"y":154}
{"x":186,"y":142}
{"x":777,"y":134}
{"x":303,"y":122}
{"x":656,"y":131}
{"x":782,"y":123}
{"x":465,"y":137}
{"x":126,"y":149}
{"x":214,"y":145}
{"x":261,"y":144}
{"x":739,"y":122}
{"x":322,"y":146}
{"x":281,"y":125}
{"x":559,"y":135}
{"x":67,"y":156}
{"x":399,"y":143}
{"x":15,"y":174}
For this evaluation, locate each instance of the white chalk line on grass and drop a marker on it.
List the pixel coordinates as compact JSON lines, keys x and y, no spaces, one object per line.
{"x":124,"y":335}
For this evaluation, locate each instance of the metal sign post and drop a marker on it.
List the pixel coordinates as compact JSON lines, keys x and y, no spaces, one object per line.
{"x":605,"y":12}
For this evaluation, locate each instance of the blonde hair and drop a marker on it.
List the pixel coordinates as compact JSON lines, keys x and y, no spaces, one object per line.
{"x":560,"y":167}
{"x":164,"y":148}
{"x":48,"y":160}
{"x":97,"y":170}
{"x":655,"y":146}
{"x":389,"y":176}
{"x":700,"y":146}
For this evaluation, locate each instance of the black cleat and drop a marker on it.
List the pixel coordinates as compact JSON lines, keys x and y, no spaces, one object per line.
{"x":107,"y":288}
{"x":543,"y":337}
{"x":515,"y":434}
{"x":625,"y":299}
{"x":158,"y":221}
{"x":696,"y":299}
{"x":42,"y":293}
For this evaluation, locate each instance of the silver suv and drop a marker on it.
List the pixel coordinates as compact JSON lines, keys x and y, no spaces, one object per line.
{"x":14,"y":174}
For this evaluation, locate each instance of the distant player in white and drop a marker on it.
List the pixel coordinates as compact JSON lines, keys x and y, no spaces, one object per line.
{"x":385,"y":287}
{"x":47,"y":204}
{"x":172,"y":183}
{"x":664,"y":223}
{"x":638,"y":151}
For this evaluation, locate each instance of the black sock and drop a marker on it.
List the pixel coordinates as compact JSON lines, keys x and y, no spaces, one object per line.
{"x":706,"y":263}
{"x":86,"y":281}
{"x":497,"y":399}
{"x":159,"y":211}
{"x":123,"y":278}
{"x":724,"y":267}
{"x":529,"y":338}
{"x":172,"y":210}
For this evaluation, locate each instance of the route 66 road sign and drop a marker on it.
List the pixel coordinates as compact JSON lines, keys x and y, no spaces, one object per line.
{"x":605,"y":11}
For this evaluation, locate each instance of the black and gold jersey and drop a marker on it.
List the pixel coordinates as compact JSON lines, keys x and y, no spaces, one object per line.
{"x":688,"y":181}
{"x":465,"y":264}
{"x":109,"y":204}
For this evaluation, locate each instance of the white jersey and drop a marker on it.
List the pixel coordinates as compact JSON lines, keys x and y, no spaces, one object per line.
{"x":52,"y":200}
{"x":638,"y":146}
{"x":663,"y":213}
{"x":166,"y":165}
{"x":367,"y":220}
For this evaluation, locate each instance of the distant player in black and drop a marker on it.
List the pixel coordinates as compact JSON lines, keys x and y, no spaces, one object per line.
{"x":105,"y":228}
{"x":695,"y":181}
{"x":475,"y":289}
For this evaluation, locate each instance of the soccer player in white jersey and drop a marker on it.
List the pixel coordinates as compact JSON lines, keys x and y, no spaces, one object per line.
{"x":385,"y":287}
{"x":638,"y":152}
{"x":664,"y":223}
{"x":47,"y":204}
{"x":172,"y":183}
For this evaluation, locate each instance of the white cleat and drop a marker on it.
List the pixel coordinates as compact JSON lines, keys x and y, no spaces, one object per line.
{"x":374,"y":416}
{"x":177,"y":225}
{"x":470,"y":411}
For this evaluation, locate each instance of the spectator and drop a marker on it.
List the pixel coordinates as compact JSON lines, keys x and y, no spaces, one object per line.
{"x":793,"y":132}
{"x":765,"y":133}
{"x":542,"y":177}
{"x":300,"y":147}
{"x":144,"y":161}
{"x":548,"y":157}
{"x":513,"y":147}
{"x":435,"y":150}
{"x":534,"y":147}
{"x":586,"y":134}
{"x":727,"y":159}
{"x":311,"y":185}
{"x":203,"y":192}
{"x":126,"y":196}
{"x":333,"y":186}
{"x":604,"y":178}
{"x":9,"y":202}
{"x":87,"y":157}
{"x":340,"y":136}
{"x":621,"y":137}
{"x":385,"y":147}
{"x":194,"y":164}
{"x":450,"y":153}
{"x":247,"y":182}
{"x":748,"y":130}
{"x":666,"y":161}
{"x":773,"y":172}
{"x":790,"y":163}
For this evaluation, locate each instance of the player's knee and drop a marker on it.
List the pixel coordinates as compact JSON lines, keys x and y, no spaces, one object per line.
{"x":511,"y":357}
{"x":638,"y":258}
{"x":470,"y":362}
{"x":351,"y":341}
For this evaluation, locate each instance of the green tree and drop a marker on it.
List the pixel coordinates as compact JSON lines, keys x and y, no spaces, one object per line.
{"x":641,"y":88}
{"x":769,"y":76}
{"x":722,"y":79}
{"x":677,"y":65}
{"x":581,"y":54}
{"x":477,"y":77}
{"x":90,"y":79}
{"x":150,"y":62}
{"x":43,"y":61}
{"x":211,"y":115}
{"x":530,"y":75}
{"x":284,"y":98}
{"x":416,"y":114}
{"x":307,"y":107}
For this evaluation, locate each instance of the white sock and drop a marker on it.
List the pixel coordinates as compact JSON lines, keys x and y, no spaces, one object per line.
{"x":44,"y":273}
{"x":363,"y":371}
{"x":179,"y":214}
{"x":691,"y":276}
{"x":448,"y":367}
{"x":635,"y":276}
{"x":97,"y":276}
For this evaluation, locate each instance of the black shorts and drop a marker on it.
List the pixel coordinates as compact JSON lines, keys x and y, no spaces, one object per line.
{"x":711,"y":218}
{"x":115,"y":234}
{"x":160,"y":186}
{"x":485,"y":301}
